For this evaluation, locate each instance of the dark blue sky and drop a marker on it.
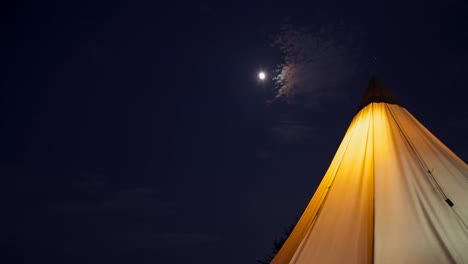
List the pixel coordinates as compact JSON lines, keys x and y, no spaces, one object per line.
{"x":137,"y":132}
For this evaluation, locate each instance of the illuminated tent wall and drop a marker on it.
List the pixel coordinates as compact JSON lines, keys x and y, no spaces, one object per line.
{"x":393,"y":193}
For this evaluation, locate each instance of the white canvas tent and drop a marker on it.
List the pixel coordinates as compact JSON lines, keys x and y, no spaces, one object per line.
{"x":393,"y":193}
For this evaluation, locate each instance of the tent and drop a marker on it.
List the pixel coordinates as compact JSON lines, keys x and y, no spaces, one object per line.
{"x":393,"y":193}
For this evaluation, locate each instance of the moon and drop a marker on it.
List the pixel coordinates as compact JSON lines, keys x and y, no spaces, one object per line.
{"x":261,"y":75}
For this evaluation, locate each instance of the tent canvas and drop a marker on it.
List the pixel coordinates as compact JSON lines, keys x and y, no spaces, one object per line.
{"x":393,"y":193}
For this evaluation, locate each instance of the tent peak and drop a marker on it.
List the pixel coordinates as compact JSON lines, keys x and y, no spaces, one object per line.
{"x":376,"y":92}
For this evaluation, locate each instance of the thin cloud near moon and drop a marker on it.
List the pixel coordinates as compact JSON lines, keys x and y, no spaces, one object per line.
{"x":317,"y":61}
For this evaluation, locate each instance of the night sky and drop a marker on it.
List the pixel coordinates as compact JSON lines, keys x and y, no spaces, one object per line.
{"x":137,"y":132}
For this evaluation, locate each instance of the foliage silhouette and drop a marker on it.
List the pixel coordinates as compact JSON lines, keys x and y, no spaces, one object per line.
{"x":278,"y":243}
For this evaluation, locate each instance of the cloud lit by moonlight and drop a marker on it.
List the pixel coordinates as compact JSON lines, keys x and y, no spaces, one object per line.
{"x":317,"y":61}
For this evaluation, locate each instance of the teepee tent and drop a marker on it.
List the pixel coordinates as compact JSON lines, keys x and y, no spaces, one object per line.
{"x":393,"y":193}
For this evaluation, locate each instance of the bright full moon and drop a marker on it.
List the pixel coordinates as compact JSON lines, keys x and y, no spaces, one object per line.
{"x":261,"y":76}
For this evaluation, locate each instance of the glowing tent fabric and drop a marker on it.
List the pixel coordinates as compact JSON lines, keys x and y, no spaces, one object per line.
{"x":392,"y":194}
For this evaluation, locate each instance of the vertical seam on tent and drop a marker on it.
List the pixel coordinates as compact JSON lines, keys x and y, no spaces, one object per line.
{"x":419,"y":126}
{"x":437,"y":146}
{"x":330,"y":183}
{"x":310,"y":227}
{"x":335,"y":171}
{"x":428,"y":172}
{"x":373,"y":185}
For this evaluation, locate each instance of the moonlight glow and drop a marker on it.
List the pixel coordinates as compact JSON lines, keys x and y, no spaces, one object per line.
{"x":261,"y":76}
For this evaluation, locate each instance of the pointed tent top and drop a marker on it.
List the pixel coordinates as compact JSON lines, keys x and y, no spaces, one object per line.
{"x":376,"y":93}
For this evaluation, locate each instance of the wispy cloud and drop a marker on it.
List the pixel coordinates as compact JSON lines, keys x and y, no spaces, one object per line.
{"x":317,"y":61}
{"x":148,"y":237}
{"x":89,"y":211}
{"x":290,"y":130}
{"x":123,"y":200}
{"x":184,"y":239}
{"x":87,"y":193}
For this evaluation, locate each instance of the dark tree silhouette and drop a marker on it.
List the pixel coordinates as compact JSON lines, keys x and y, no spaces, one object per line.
{"x":278,"y":243}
